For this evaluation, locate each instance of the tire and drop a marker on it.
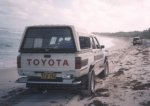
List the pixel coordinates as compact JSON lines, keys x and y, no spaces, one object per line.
{"x":90,"y":84}
{"x":105,"y":72}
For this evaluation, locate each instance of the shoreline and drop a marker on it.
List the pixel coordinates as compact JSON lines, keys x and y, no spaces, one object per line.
{"x":7,"y":80}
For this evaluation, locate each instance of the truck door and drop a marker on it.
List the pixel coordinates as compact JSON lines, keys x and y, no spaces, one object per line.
{"x":98,"y":55}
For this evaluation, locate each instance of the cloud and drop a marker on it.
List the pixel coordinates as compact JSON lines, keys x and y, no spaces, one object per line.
{"x":93,"y":15}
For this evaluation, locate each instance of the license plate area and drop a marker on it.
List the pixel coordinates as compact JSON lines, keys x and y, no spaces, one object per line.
{"x":48,"y":76}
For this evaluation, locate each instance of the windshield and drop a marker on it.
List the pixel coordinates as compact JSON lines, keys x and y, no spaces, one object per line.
{"x":48,"y":39}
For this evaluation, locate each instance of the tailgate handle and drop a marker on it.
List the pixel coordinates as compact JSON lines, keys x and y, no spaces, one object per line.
{"x":47,"y":56}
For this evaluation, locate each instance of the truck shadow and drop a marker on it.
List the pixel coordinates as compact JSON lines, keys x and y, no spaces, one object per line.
{"x":34,"y":97}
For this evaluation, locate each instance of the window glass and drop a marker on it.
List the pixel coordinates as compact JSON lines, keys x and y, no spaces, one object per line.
{"x":93,"y":43}
{"x":28,"y":43}
{"x":65,"y":42}
{"x":38,"y":42}
{"x":48,"y":38}
{"x":96,"y":42}
{"x":85,"y":42}
{"x":67,"y":38}
{"x":53,"y":40}
{"x":60,"y":39}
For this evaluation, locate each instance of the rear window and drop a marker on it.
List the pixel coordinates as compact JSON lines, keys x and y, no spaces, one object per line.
{"x":48,"y":39}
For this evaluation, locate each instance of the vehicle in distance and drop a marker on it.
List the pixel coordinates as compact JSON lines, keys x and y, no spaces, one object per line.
{"x":137,"y":40}
{"x":60,"y":56}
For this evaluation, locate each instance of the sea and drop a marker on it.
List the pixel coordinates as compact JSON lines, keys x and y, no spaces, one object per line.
{"x":9,"y":45}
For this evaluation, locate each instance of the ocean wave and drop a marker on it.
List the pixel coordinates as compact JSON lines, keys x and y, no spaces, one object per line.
{"x":9,"y":44}
{"x":3,"y":46}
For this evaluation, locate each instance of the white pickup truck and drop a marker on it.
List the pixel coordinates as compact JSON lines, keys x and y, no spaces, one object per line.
{"x":60,"y":56}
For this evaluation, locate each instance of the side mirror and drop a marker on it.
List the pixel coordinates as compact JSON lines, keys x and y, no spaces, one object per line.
{"x":102,"y":46}
{"x":98,"y":46}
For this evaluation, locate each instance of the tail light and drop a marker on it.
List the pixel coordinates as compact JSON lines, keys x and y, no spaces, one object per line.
{"x":78,"y":63}
{"x":19,"y":61}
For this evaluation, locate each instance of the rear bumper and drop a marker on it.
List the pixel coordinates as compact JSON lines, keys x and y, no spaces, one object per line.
{"x":53,"y":86}
{"x":66,"y":82}
{"x":75,"y":84}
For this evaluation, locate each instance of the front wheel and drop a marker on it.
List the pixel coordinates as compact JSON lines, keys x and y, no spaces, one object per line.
{"x":105,"y":72}
{"x":106,"y":68}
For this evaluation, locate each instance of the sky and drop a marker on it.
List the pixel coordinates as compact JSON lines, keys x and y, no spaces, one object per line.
{"x":91,"y":15}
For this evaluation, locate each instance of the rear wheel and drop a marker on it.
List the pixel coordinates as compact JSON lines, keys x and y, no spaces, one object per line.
{"x":90,"y":84}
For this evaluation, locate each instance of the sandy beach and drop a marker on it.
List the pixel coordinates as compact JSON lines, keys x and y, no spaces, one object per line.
{"x":127,"y":85}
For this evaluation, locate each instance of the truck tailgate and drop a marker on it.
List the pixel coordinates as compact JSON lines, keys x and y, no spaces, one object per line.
{"x":48,"y":61}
